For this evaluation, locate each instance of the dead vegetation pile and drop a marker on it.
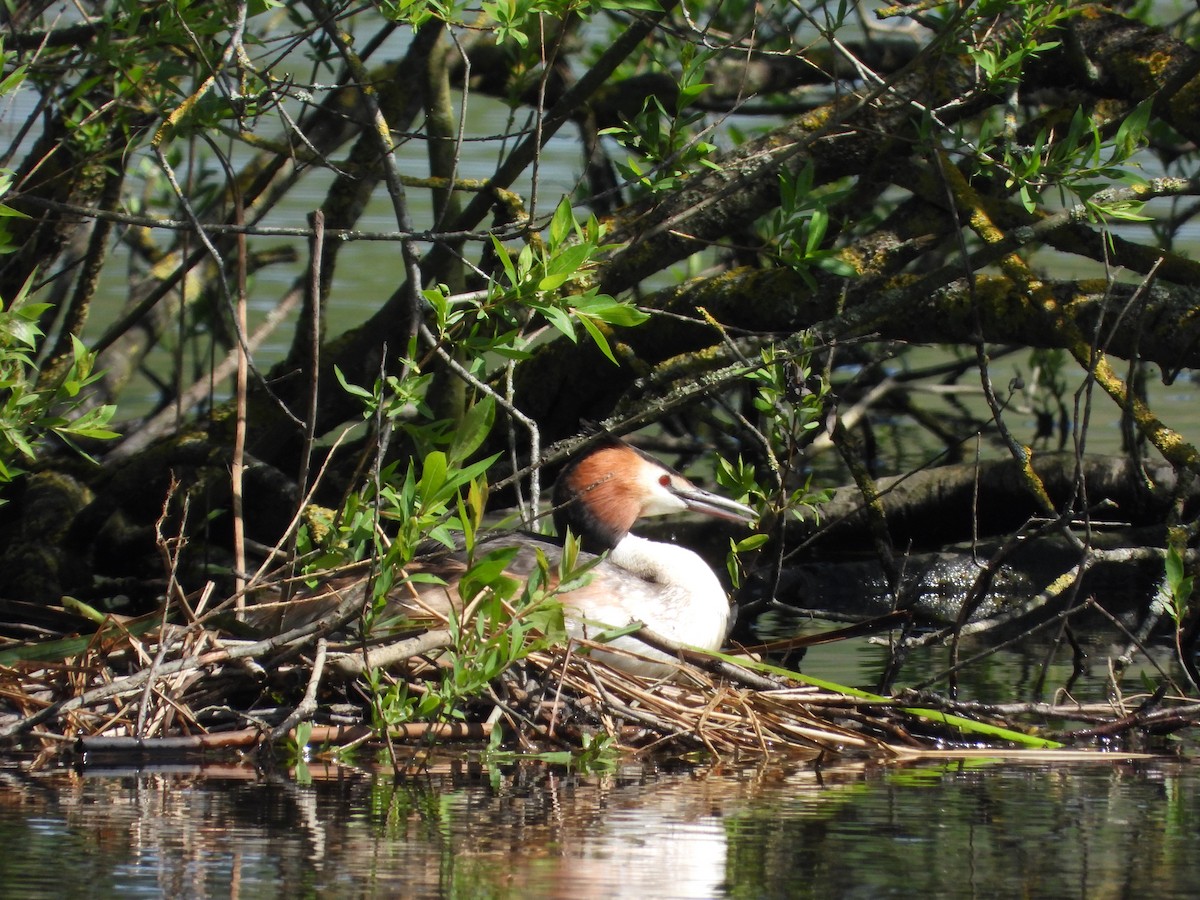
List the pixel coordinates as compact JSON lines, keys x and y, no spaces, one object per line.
{"x":143,"y":686}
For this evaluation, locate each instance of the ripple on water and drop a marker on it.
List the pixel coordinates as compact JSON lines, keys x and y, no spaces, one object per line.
{"x":951,"y":829}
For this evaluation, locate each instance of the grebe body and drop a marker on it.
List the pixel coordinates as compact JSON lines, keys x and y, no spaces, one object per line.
{"x":669,"y":589}
{"x":598,"y":497}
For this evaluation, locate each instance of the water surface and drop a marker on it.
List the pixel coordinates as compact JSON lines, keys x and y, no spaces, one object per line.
{"x":956,"y":828}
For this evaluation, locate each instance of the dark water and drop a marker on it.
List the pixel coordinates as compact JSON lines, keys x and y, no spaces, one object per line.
{"x":959,"y":828}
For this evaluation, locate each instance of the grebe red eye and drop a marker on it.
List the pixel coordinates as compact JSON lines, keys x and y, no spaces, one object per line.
{"x":664,"y":480}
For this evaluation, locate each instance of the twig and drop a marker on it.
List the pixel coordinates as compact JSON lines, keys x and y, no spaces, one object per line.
{"x":1062,"y":616}
{"x":345,"y":610}
{"x":308,"y":704}
{"x":164,"y":633}
{"x":312,"y":363}
{"x":237,"y":465}
{"x":351,"y":665}
{"x":342,"y":235}
{"x":167,"y":746}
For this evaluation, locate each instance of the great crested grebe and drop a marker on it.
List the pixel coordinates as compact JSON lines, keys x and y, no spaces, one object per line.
{"x":669,"y":589}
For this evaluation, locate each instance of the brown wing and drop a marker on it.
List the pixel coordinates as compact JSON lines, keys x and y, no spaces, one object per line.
{"x":416,"y":599}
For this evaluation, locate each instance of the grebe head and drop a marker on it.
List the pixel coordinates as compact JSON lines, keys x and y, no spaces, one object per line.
{"x":600,"y":494}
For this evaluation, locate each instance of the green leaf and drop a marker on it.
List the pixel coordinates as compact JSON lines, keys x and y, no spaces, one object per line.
{"x":598,"y":337}
{"x":835,"y":265}
{"x":524,"y":263}
{"x":12,"y":80}
{"x":607,"y":635}
{"x":605,"y":309}
{"x":1173,"y":565}
{"x":817,"y":226}
{"x":433,"y":475}
{"x":690,"y":93}
{"x":505,"y":260}
{"x":466,"y":474}
{"x":66,"y":648}
{"x":569,"y":260}
{"x":562,"y":225}
{"x":352,"y":389}
{"x":1124,"y":211}
{"x":1132,"y":132}
{"x":622,"y":315}
{"x":488,"y":571}
{"x":560,"y":320}
{"x":92,"y":424}
{"x":751,"y":543}
{"x":473,"y":429}
{"x":1183,"y":592}
{"x":553,"y":282}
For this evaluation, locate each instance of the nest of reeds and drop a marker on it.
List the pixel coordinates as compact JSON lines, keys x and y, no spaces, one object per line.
{"x":143,"y":686}
{"x":715,"y":706}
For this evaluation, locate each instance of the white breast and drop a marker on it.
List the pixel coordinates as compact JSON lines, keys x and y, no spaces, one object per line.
{"x":673,"y":592}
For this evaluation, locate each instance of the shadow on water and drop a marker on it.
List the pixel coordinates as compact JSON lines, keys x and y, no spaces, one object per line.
{"x":960,"y":828}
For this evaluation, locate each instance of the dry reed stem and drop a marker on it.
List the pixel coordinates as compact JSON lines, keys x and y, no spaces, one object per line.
{"x":706,"y":713}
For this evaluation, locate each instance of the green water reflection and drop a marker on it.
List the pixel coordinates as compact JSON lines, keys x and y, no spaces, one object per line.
{"x":951,"y":829}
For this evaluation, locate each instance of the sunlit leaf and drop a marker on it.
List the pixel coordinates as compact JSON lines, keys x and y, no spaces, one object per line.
{"x":474,"y":428}
{"x":598,"y":337}
{"x":562,"y":224}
